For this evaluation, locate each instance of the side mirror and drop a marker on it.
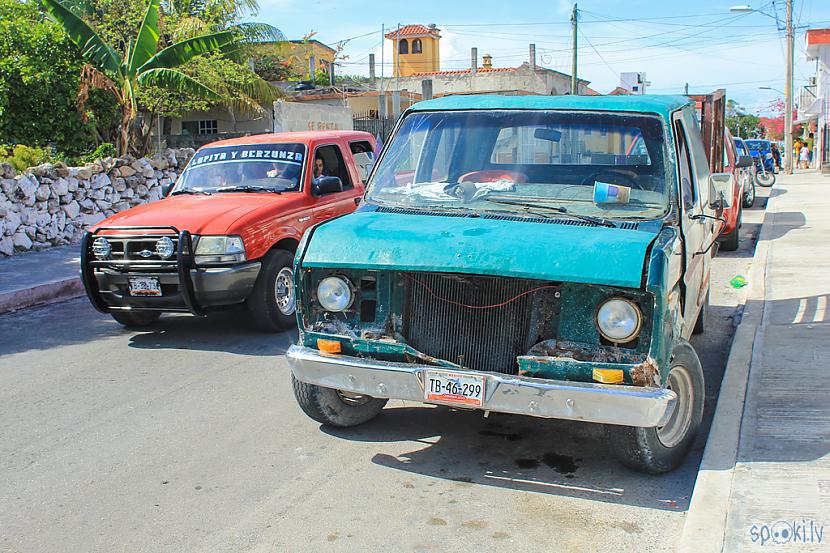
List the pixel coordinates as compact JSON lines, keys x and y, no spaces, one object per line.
{"x":166,"y":188}
{"x":326,"y":185}
{"x":721,"y":186}
{"x":745,"y":161}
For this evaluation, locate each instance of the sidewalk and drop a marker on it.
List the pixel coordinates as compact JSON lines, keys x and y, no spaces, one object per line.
{"x":40,"y":277}
{"x":774,"y":487}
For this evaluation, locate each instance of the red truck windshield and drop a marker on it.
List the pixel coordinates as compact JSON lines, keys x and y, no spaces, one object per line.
{"x":272,"y":167}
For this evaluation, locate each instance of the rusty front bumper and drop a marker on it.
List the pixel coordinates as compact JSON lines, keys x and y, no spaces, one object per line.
{"x":537,"y":397}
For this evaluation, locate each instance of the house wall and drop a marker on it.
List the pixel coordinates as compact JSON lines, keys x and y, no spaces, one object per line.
{"x":227,"y":122}
{"x":524,"y":79}
{"x":298,"y":54}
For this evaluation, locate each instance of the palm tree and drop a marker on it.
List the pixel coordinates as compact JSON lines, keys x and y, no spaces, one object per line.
{"x":142,"y":63}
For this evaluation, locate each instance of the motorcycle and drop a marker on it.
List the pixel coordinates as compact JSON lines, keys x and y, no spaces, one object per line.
{"x":763,"y":177}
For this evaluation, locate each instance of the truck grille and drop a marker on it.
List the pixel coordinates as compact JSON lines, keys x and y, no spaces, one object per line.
{"x":480,"y":339}
{"x":137,"y":248}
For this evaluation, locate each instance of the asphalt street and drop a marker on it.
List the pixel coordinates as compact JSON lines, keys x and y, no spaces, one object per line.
{"x":186,"y":438}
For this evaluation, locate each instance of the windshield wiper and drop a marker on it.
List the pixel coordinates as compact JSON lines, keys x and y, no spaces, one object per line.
{"x":599,"y":221}
{"x":190,"y":191}
{"x":248,"y":188}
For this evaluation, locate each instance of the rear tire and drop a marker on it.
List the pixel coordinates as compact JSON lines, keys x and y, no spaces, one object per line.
{"x":136,"y":319}
{"x":730,"y":242}
{"x":333,"y":407}
{"x":700,"y":323}
{"x":662,"y":449}
{"x":749,"y":195}
{"x":272,"y":302}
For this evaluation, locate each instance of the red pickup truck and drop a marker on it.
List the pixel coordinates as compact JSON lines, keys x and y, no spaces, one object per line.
{"x":226,"y":232}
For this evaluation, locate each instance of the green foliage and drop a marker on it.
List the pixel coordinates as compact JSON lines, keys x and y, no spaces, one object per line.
{"x":106,"y":149}
{"x":22,"y":157}
{"x":157,"y":69}
{"x":39,"y":77}
{"x":273,"y":68}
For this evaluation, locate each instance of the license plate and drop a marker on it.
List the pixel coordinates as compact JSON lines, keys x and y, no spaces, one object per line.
{"x":145,"y":286}
{"x":454,"y":387}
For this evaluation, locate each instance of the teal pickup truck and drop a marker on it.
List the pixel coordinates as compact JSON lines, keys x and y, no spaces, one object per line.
{"x":543,"y":256}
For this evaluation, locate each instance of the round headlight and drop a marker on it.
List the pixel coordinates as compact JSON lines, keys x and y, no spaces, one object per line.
{"x":619,"y":320}
{"x":101,"y":248}
{"x":165,"y":247}
{"x":334,"y":294}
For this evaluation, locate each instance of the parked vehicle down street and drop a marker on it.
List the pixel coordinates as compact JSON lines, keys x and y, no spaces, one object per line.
{"x":227,"y":230}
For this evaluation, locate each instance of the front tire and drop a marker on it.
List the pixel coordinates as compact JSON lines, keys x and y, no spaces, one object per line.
{"x":662,"y":449}
{"x":765,"y":180}
{"x":333,"y":407}
{"x":136,"y":319}
{"x":272,"y":302}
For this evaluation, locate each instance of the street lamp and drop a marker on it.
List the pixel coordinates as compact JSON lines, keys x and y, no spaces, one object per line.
{"x":773,"y":89}
{"x":788,"y":88}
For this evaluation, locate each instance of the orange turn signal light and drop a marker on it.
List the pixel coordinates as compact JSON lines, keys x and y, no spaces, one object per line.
{"x":329,"y":346}
{"x":608,"y":376}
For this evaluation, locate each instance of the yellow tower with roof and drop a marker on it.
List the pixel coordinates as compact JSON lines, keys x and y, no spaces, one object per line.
{"x":415,"y":50}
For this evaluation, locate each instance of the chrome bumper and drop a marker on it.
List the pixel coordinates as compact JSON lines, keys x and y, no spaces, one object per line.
{"x":537,"y":397}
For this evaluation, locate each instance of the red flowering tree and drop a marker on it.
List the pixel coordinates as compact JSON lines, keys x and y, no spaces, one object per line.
{"x":774,"y":126}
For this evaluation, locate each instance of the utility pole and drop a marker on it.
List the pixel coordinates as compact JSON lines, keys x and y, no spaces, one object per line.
{"x":788,"y":89}
{"x":573,"y":58}
{"x":397,"y":56}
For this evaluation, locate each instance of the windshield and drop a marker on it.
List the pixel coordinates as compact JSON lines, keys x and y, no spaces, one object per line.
{"x":589,"y":163}
{"x":739,"y":145}
{"x":257,"y":167}
{"x":757,"y":144}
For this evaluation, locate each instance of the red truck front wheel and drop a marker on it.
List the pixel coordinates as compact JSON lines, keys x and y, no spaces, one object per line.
{"x":272,"y":302}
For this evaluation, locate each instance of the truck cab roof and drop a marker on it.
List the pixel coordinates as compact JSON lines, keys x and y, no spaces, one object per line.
{"x":659,"y":104}
{"x":304,"y":137}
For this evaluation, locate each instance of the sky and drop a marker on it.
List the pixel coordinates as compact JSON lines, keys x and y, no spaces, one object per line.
{"x":701,"y":43}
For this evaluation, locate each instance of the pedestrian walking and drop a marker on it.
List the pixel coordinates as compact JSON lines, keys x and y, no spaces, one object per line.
{"x":810,"y":142}
{"x":776,"y":156}
{"x":804,"y":157}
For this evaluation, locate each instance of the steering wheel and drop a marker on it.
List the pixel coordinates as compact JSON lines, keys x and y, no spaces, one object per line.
{"x":614,"y":177}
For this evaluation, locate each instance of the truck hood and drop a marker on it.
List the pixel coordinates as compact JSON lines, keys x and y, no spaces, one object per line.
{"x":568,"y":252}
{"x":197,"y":214}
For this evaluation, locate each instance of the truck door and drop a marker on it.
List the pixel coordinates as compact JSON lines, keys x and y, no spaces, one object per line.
{"x":335,"y":203}
{"x":696,"y":230}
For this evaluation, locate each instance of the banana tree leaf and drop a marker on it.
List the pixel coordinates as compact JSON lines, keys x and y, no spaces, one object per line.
{"x":93,"y":48}
{"x":172,"y":79}
{"x":182,"y":52}
{"x":148,"y":38}
{"x":259,"y":32}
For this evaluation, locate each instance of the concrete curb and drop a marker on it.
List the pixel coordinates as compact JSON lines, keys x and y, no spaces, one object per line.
{"x":49,"y":292}
{"x":705,"y":526}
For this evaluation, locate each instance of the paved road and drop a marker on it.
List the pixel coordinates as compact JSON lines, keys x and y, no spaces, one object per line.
{"x":187,"y":438}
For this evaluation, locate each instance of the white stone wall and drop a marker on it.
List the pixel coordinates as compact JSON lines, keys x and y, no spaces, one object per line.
{"x":51,"y":205}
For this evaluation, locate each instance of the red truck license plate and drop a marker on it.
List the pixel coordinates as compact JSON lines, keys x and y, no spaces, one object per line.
{"x":145,"y":286}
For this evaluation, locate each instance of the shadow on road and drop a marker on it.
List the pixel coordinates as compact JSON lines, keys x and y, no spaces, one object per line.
{"x":76,"y":322}
{"x":226,"y":331}
{"x":519,"y":453}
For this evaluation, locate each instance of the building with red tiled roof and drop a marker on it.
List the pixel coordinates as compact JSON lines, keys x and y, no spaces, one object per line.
{"x":411,"y":31}
{"x":415,"y":49}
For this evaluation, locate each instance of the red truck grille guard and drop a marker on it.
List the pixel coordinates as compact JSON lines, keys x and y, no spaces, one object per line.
{"x":182,"y":263}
